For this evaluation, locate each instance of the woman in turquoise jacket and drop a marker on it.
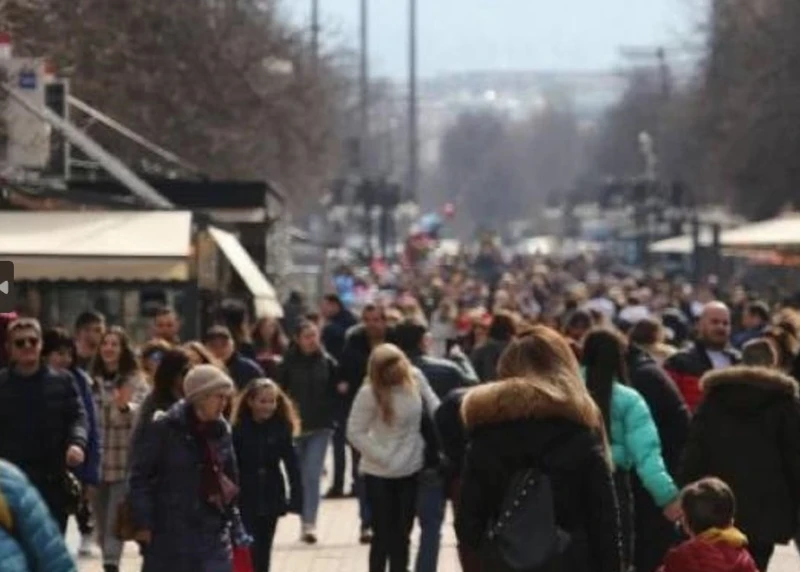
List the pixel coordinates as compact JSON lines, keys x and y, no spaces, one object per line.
{"x":30,"y":540}
{"x":635,"y":445}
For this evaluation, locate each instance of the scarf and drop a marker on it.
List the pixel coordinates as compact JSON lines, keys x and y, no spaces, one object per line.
{"x":212,"y":490}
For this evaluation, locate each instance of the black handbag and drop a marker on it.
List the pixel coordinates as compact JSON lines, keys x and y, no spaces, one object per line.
{"x":73,"y":493}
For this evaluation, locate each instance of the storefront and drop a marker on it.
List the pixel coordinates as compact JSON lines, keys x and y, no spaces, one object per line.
{"x":125,"y":263}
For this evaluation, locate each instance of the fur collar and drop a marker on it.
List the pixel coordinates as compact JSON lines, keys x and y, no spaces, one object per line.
{"x":759,"y":377}
{"x":515,"y":399}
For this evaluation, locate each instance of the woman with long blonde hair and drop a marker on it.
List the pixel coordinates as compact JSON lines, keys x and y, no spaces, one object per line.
{"x":539,"y":417}
{"x":385,"y":427}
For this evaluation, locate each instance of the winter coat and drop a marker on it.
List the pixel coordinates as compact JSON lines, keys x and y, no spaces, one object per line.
{"x":64,"y":419}
{"x":310,"y":380}
{"x":687,"y":367}
{"x":334,"y":334}
{"x":747,"y":432}
{"x":655,"y":535}
{"x":393,"y":450}
{"x":443,"y":375}
{"x":242,"y":370}
{"x":261,"y":449}
{"x":514,"y":425}
{"x":34,"y":543}
{"x":635,"y":444}
{"x":189,"y":535}
{"x":88,"y":472}
{"x":713,"y":551}
{"x":353,"y":365}
{"x":451,"y":431}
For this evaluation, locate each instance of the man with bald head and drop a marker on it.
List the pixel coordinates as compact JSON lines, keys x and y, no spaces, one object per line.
{"x":710,"y":351}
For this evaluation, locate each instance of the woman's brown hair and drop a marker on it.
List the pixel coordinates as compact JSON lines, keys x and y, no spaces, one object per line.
{"x":128,"y":364}
{"x":388,"y":367}
{"x":205,"y":356}
{"x":285,"y":411}
{"x":544,"y":357}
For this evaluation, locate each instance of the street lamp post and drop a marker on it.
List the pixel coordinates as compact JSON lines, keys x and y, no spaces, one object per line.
{"x":413,"y":119}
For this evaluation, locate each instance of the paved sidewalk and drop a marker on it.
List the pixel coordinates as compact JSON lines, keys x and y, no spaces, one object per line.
{"x":339,"y":551}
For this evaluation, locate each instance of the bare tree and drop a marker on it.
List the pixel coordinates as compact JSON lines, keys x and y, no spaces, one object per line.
{"x":209,"y":80}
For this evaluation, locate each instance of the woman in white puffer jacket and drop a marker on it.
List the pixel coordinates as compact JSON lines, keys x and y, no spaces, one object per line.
{"x":385,"y":427}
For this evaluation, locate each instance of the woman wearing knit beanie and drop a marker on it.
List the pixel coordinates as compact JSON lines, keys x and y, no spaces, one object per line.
{"x":183,"y":482}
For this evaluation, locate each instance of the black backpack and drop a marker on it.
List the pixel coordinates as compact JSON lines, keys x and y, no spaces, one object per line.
{"x":525,"y":536}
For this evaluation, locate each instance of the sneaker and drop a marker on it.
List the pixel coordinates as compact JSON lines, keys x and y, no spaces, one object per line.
{"x":86,"y":548}
{"x":309,"y":535}
{"x":110,"y":568}
{"x":366,"y":535}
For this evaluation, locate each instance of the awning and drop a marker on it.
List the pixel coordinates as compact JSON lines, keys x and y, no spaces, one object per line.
{"x":681,"y":244}
{"x":265,"y":299}
{"x":97,"y":245}
{"x":779,"y":233}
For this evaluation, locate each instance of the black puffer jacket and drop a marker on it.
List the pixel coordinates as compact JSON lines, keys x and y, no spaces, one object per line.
{"x":63,"y":423}
{"x":513,"y":425}
{"x":310,"y":380}
{"x":747,"y":432}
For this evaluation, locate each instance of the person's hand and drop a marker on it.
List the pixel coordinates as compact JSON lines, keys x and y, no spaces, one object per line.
{"x":75,"y":456}
{"x":673,"y":512}
{"x":343,"y":387}
{"x":143,"y":536}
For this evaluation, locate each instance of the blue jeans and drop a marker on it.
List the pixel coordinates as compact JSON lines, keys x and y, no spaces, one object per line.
{"x":311,"y":449}
{"x":431,"y":502}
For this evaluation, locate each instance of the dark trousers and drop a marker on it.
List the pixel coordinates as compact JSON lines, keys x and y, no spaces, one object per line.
{"x":263,"y":532}
{"x":468,"y":558}
{"x":655,"y":535}
{"x":622,"y":484}
{"x":393,"y":503}
{"x":762,"y":554}
{"x":340,"y":447}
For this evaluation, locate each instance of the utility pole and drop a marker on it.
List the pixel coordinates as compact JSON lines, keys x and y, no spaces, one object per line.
{"x":315,"y":32}
{"x":364,"y":88}
{"x":413,"y":119}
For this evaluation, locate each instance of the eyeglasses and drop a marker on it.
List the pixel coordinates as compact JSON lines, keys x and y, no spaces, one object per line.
{"x":31,"y":341}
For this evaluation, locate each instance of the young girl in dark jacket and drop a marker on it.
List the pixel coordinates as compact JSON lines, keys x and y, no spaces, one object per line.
{"x":265,"y":422}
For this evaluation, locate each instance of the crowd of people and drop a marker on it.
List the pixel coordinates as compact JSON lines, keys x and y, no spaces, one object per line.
{"x":575,"y":418}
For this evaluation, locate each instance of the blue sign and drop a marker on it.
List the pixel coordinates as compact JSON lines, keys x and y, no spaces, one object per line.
{"x":28,"y":79}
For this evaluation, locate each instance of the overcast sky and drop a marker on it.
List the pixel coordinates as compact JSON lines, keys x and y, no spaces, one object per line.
{"x":468,"y":35}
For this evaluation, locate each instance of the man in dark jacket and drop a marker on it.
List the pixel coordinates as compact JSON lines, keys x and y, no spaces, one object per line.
{"x":747,"y":432}
{"x":755,"y":320}
{"x":444,"y":377}
{"x":372,"y":332}
{"x":43,"y":428}
{"x":711,"y":351}
{"x":655,"y":535}
{"x":241,"y":369}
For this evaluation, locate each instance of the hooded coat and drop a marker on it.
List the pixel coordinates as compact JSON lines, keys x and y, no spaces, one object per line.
{"x":513,"y":425}
{"x":747,"y":432}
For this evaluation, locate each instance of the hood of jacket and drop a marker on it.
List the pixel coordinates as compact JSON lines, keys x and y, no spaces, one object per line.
{"x":518,"y":399}
{"x":532,"y":419}
{"x":744,"y":388}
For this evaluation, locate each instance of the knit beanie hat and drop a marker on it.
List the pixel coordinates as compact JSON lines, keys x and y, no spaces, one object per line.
{"x":203,"y":380}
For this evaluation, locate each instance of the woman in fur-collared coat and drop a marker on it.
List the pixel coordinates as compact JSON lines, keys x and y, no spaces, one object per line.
{"x":544,"y":418}
{"x":746,"y":431}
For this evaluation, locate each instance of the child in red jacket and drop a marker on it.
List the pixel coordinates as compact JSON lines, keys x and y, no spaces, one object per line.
{"x":715,"y":545}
